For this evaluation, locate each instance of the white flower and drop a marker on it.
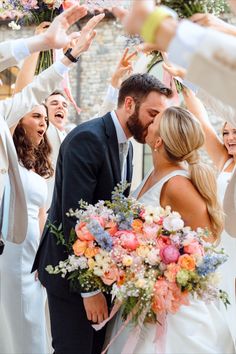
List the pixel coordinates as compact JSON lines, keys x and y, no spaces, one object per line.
{"x":14,"y":25}
{"x":173,"y":222}
{"x":153,"y":257}
{"x":152,"y":214}
{"x":140,"y":283}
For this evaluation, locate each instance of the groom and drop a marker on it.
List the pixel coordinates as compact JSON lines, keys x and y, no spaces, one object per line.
{"x":89,"y":166}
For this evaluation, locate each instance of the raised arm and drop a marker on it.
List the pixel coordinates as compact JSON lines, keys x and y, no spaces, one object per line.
{"x":213,"y":144}
{"x":122,"y":70}
{"x":27,"y":71}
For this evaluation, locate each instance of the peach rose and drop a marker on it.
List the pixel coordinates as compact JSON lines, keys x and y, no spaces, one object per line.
{"x":79,"y":247}
{"x":171,"y":271}
{"x":90,"y":252}
{"x":110,"y":276}
{"x":82,"y":232}
{"x":187,"y":262}
{"x":111,"y":227}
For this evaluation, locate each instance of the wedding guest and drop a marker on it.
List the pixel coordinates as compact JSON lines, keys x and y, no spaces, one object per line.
{"x":178,"y":179}
{"x":93,"y":158}
{"x":223,"y":154}
{"x":11,"y":110}
{"x":22,"y":306}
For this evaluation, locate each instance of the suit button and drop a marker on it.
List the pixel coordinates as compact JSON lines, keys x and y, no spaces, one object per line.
{"x":3,"y":171}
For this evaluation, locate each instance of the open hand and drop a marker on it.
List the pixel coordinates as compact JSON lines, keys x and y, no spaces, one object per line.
{"x":82,"y":43}
{"x":56,"y":36}
{"x":96,"y":308}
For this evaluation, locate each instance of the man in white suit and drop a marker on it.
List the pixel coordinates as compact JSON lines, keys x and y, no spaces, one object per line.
{"x":14,"y":108}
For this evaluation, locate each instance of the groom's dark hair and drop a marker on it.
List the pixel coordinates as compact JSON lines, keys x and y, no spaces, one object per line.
{"x":139,"y":86}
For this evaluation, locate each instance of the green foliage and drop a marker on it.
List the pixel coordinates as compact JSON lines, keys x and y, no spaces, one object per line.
{"x":187,"y":8}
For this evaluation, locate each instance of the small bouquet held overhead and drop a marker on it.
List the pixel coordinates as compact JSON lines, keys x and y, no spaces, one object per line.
{"x":144,"y":256}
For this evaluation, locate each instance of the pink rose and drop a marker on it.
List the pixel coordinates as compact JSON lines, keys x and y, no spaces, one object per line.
{"x":194,"y":248}
{"x":128,"y":239}
{"x":169,"y":254}
{"x":83,"y":233}
{"x":99,"y":219}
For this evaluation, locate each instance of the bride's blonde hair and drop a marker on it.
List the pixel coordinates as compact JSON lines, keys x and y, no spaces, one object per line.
{"x":182,"y":136}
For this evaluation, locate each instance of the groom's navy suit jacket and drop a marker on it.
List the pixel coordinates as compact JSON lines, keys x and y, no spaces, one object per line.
{"x":88,"y":168}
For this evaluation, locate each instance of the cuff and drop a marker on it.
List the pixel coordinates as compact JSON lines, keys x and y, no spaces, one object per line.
{"x":61,"y":68}
{"x":187,"y":40}
{"x":92,"y":293}
{"x":20,"y":49}
{"x":112,"y":94}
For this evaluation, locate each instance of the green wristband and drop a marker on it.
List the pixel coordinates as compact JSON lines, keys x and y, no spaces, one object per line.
{"x":154,"y":21}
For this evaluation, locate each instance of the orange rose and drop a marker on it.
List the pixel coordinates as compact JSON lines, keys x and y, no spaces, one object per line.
{"x":137,"y":225}
{"x":187,"y":262}
{"x":82,"y":232}
{"x":91,"y":252}
{"x":79,"y":247}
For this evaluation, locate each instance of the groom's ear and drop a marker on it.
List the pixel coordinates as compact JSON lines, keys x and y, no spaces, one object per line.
{"x":129,"y":105}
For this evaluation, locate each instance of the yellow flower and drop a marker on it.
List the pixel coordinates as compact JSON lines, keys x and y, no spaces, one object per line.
{"x":91,"y":263}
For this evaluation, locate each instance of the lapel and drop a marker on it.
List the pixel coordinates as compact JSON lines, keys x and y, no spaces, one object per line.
{"x":110,"y":132}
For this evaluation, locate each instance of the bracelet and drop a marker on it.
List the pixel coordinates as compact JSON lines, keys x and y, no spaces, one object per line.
{"x":70,"y":56}
{"x":154,"y":21}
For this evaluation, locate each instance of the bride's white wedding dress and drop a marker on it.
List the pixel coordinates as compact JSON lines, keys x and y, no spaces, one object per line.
{"x":22,"y":298}
{"x":228,"y":270}
{"x":196,"y":329}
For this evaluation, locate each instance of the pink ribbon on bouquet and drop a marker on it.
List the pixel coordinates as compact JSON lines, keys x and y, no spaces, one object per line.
{"x":65,"y":84}
{"x":161,"y":330}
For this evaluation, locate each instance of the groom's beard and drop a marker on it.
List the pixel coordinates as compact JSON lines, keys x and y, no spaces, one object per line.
{"x":135,"y":126}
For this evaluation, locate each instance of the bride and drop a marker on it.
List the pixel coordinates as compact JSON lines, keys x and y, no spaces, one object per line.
{"x":179,"y":179}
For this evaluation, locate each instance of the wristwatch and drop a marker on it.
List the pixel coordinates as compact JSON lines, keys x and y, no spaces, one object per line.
{"x":70,"y":56}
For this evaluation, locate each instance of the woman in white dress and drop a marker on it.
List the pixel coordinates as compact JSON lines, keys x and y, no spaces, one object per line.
{"x":189,"y":187}
{"x":22,"y":298}
{"x":223,"y":155}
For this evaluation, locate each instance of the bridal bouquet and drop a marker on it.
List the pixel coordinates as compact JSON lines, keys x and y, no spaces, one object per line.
{"x":144,"y":256}
{"x":36,"y":12}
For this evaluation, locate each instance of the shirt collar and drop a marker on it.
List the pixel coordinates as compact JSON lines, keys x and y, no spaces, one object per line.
{"x":121,"y":137}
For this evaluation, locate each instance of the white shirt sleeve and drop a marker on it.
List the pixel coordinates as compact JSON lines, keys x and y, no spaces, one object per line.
{"x":61,"y":68}
{"x":186,"y":41}
{"x":112,"y":94}
{"x":20,"y":49}
{"x":92,"y":293}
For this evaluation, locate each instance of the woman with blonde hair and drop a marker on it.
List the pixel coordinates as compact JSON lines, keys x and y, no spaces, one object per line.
{"x":179,"y":179}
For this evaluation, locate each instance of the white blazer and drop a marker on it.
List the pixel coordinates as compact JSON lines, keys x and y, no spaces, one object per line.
{"x":11,"y":111}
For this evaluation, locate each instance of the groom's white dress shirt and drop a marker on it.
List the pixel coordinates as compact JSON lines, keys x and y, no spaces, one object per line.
{"x":11,"y":111}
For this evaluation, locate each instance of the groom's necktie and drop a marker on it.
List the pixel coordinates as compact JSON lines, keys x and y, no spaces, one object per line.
{"x":123,"y":152}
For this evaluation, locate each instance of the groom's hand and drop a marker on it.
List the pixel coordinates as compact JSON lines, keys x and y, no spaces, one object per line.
{"x":96,"y":308}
